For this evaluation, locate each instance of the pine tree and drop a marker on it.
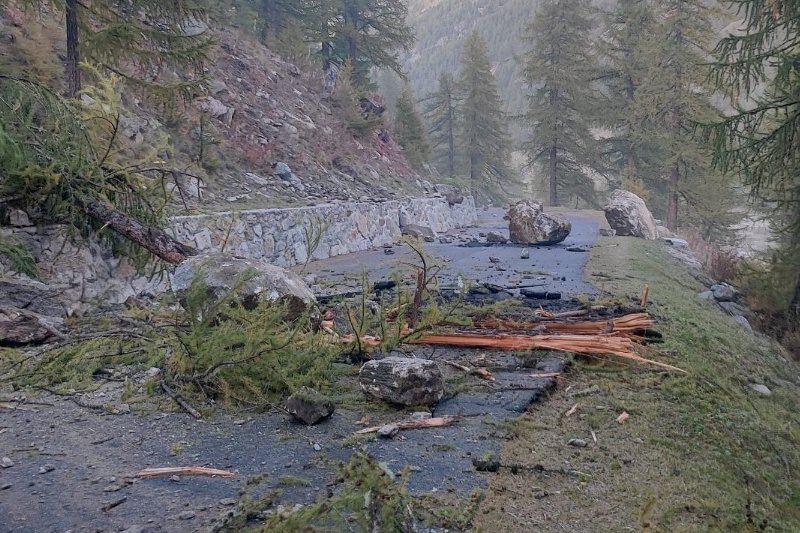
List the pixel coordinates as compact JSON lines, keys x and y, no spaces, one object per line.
{"x":626,"y":29}
{"x":410,"y":130}
{"x":672,"y":98}
{"x":138,"y":41}
{"x":441,"y":111}
{"x":484,"y":131}
{"x":761,"y":138}
{"x":559,"y":69}
{"x":367,"y":33}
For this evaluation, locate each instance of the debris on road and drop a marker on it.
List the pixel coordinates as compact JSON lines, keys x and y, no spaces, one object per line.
{"x":627,"y":325}
{"x":185,"y":470}
{"x":482,"y":372}
{"x":621,"y":419}
{"x":415,"y":423}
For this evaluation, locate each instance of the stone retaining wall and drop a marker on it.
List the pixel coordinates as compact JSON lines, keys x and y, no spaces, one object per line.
{"x":281,"y":236}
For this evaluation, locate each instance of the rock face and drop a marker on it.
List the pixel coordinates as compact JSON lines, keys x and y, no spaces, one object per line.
{"x":264,"y":282}
{"x":628,"y":215}
{"x":529,"y":224}
{"x":402,"y":381}
{"x":309,"y":405}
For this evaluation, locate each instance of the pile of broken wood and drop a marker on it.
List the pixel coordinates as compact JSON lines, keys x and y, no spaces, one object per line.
{"x":622,"y":337}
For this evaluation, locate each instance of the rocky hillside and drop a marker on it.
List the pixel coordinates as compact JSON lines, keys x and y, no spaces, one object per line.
{"x":261,"y":137}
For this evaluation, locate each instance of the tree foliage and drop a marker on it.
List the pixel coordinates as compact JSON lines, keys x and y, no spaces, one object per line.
{"x":441,"y":109}
{"x":57,"y":156}
{"x":559,"y":69}
{"x":759,"y":68}
{"x":484,"y":128}
{"x":410,"y":130}
{"x":143,"y":42}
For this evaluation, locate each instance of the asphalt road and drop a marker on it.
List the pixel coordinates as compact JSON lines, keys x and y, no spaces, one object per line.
{"x":554,"y":268}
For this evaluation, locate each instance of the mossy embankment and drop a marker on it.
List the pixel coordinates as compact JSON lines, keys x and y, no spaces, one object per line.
{"x":700,"y":451}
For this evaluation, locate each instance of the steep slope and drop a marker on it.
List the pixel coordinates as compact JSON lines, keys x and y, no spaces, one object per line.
{"x":260,"y":111}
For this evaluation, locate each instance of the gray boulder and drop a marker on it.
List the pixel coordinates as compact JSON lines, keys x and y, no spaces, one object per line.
{"x":724,"y":292}
{"x":402,"y":381}
{"x":309,"y":406}
{"x":423,"y":232}
{"x":495,"y":238}
{"x":451,"y":193}
{"x":628,"y":215}
{"x":21,"y":328}
{"x":529,"y":224}
{"x":257,"y":281}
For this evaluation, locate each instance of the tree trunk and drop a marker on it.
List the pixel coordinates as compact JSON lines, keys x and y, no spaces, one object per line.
{"x":553,"y":175}
{"x":73,"y":52}
{"x":672,"y":198}
{"x":156,"y":241}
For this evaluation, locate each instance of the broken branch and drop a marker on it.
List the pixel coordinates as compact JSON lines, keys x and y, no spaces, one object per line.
{"x":184,"y":470}
{"x":437,"y":422}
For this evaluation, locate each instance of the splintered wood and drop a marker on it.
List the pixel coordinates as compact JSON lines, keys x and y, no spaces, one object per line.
{"x":617,"y":337}
{"x":185,"y":471}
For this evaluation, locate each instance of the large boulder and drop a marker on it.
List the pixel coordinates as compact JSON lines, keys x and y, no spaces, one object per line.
{"x":402,"y":381}
{"x":255,"y":281}
{"x":628,"y":215}
{"x":529,"y":224}
{"x":20,"y":328}
{"x":451,"y":193}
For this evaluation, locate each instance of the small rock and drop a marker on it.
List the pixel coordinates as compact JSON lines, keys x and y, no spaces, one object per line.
{"x":227,"y":501}
{"x":488,"y":462}
{"x":6,"y":486}
{"x":46,"y":468}
{"x":526,"y":254}
{"x":578,"y":443}
{"x":761,"y":389}
{"x":402,"y":381}
{"x":577,"y":249}
{"x":186,"y":515}
{"x":584,"y":392}
{"x":309,"y":406}
{"x":420,"y":415}
{"x":388,"y":431}
{"x":133,"y":529}
{"x":607,"y":232}
{"x":493,"y":259}
{"x":175,"y":479}
{"x":495,"y":238}
{"x":18,"y":218}
{"x":317,"y":447}
{"x":6,"y":462}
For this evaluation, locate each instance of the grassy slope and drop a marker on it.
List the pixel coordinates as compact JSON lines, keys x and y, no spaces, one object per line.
{"x":696,"y":449}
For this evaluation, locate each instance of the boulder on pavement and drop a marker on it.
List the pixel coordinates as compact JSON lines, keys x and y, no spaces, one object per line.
{"x":495,"y":238}
{"x":402,"y":381}
{"x":309,"y":405}
{"x":254,"y":281}
{"x":423,"y":232}
{"x":529,"y":224}
{"x":628,"y":215}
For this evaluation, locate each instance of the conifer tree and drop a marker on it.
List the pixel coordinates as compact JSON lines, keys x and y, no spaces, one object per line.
{"x":137,"y":41}
{"x":672,"y":98}
{"x":366,"y":33}
{"x":559,"y":70}
{"x":761,"y":139}
{"x":441,"y":111}
{"x":410,"y":130}
{"x":626,"y":29}
{"x":484,"y":132}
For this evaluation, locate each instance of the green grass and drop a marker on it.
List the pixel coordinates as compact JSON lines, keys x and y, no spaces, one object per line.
{"x":735,"y":445}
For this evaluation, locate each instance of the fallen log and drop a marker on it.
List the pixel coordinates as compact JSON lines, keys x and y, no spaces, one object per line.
{"x":185,"y":471}
{"x":594,"y":345}
{"x":152,"y":239}
{"x":626,"y":325}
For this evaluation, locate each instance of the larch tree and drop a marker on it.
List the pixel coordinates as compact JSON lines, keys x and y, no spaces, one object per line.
{"x":139,"y":41}
{"x":441,"y":109}
{"x":484,"y":125}
{"x":559,"y":70}
{"x":626,"y":28}
{"x":365,"y":33}
{"x":759,"y":68}
{"x":673,"y":96}
{"x":410,"y":130}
